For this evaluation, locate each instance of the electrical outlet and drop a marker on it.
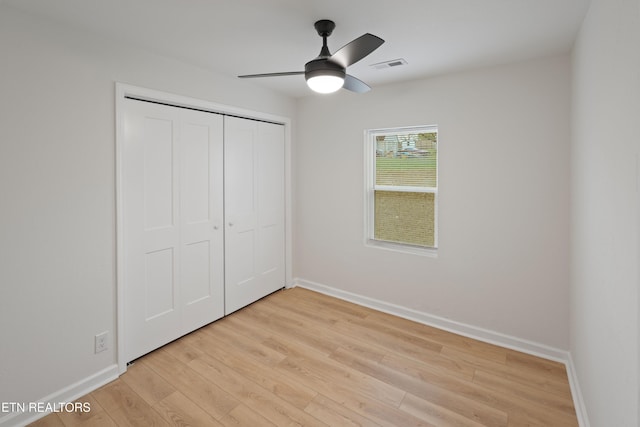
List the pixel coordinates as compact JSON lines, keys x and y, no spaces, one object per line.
{"x":101,"y":342}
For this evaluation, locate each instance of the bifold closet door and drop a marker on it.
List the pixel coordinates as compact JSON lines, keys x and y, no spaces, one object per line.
{"x":254,"y":211}
{"x":172,"y":172}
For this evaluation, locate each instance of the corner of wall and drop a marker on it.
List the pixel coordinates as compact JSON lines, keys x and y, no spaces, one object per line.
{"x":576,"y":393}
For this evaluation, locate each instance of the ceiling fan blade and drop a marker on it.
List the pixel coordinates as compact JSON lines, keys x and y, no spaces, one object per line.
{"x":288,"y":73}
{"x":356,"y":50}
{"x":355,"y":85}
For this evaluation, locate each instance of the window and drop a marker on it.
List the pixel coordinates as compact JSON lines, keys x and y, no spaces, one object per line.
{"x":402,"y":188}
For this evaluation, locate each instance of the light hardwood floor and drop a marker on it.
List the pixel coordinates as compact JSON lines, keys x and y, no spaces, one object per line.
{"x":301,"y":358}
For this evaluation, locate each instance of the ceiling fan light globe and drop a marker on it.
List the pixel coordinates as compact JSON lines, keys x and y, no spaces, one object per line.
{"x":325,"y":83}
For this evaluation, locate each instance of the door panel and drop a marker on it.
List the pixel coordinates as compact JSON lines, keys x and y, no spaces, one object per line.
{"x":196,"y":272}
{"x":196,"y":160}
{"x":159,"y":283}
{"x":254,"y":211}
{"x":158,"y":172}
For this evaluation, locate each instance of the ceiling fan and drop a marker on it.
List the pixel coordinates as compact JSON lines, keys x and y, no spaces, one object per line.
{"x":327,"y":72}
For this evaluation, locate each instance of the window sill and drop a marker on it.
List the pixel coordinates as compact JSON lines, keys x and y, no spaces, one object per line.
{"x":406,"y":249}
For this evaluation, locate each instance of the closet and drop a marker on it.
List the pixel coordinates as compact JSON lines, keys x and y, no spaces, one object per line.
{"x":203,"y":217}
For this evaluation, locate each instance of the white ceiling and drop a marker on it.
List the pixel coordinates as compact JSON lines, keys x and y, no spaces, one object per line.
{"x":260,"y":36}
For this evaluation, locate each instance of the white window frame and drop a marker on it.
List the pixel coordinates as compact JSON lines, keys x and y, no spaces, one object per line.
{"x":371,"y":187}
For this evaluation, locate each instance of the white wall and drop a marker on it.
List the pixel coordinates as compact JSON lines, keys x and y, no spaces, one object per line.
{"x":57,"y":192}
{"x":503,"y":262}
{"x":605,"y":214}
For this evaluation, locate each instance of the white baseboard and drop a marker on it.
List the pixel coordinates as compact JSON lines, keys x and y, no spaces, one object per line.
{"x":67,"y":394}
{"x":576,"y":393}
{"x":470,"y":331}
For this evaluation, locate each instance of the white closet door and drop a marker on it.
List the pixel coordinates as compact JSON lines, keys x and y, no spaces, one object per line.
{"x":172,"y":223}
{"x":254,"y":211}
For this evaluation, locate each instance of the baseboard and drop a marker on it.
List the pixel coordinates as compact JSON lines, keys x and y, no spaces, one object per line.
{"x":576,"y":393}
{"x":67,"y":394}
{"x":470,"y":331}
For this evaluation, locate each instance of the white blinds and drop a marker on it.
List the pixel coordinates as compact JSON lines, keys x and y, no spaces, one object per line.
{"x":406,"y":160}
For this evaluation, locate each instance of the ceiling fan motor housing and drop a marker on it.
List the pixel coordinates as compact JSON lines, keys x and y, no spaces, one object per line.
{"x":323,"y":67}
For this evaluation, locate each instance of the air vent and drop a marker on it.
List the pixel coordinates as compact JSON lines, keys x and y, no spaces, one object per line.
{"x":389,"y":64}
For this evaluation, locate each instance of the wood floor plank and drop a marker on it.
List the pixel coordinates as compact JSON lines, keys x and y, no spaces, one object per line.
{"x":437,"y":415}
{"x":126,"y":407}
{"x":529,"y":393}
{"x":214,"y":400}
{"x":301,"y":359}
{"x":540,"y":378}
{"x":146,"y":383}
{"x":430,"y":359}
{"x":501,"y":399}
{"x":95,"y":416}
{"x":334,"y":414}
{"x":101,"y":419}
{"x":282,"y":324}
{"x":478,"y":348}
{"x":258,"y":370}
{"x":535,"y":364}
{"x":178,"y":410}
{"x":346,"y":377}
{"x":243,"y":416}
{"x":185,"y":349}
{"x":412,"y":382}
{"x":116,"y":395}
{"x":262,"y":401}
{"x":367,"y":406}
{"x":389,"y":338}
{"x":308,"y":311}
{"x":298,"y":357}
{"x":526,"y":419}
{"x":244,"y":325}
{"x":51,"y":420}
{"x":341,"y":307}
{"x":312,"y":326}
{"x":127,"y":417}
{"x":225,"y":336}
